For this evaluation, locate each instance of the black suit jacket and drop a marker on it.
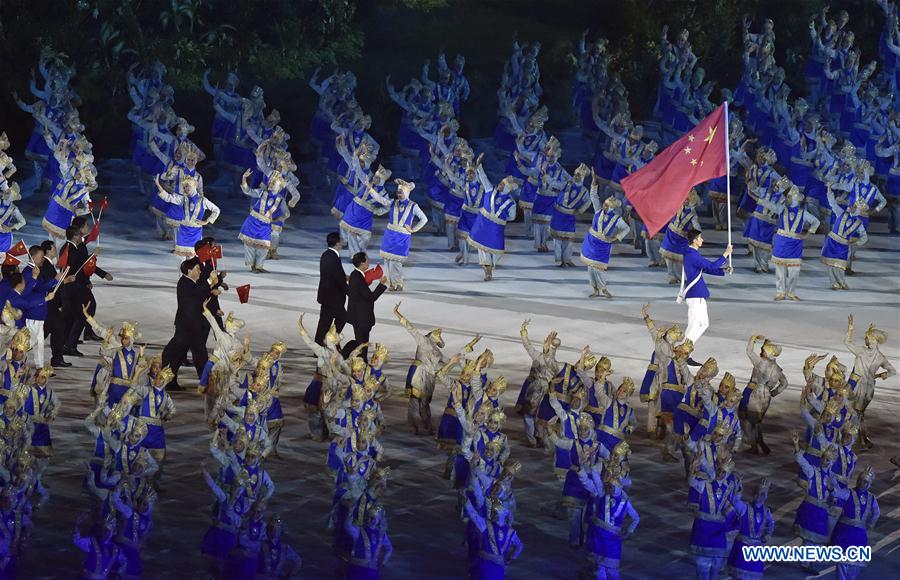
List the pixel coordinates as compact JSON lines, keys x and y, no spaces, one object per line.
{"x":332,"y":280}
{"x":189,"y":316}
{"x":361,"y":300}
{"x":206,"y":268}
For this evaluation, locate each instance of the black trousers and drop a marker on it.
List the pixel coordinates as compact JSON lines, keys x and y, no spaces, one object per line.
{"x":56,"y":330}
{"x":176,"y":350}
{"x":73,"y":315}
{"x":327,"y":316}
{"x":360,"y":335}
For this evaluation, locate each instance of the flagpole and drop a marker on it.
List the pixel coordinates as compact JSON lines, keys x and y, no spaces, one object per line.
{"x":728,"y":179}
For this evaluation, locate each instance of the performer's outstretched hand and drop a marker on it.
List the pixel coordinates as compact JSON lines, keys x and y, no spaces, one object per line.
{"x":728,"y":249}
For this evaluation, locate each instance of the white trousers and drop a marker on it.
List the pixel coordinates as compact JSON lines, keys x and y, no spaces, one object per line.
{"x":698,"y":319}
{"x":36,"y":329}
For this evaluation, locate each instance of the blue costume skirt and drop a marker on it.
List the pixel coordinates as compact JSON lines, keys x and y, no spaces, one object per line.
{"x":156,"y":437}
{"x":488,"y":235}
{"x":187,"y":238}
{"x":217,"y":542}
{"x":605,"y":546}
{"x":452,"y":205}
{"x":740,"y":567}
{"x":255,"y":232}
{"x":595,"y":252}
{"x":114,"y":393}
{"x":787,"y":251}
{"x":673,"y":246}
{"x":812,"y":522}
{"x":358,"y":572}
{"x":528,"y":194}
{"x":342,"y":198}
{"x":669,"y":400}
{"x":466,"y":221}
{"x":356,"y":218}
{"x":41,"y":435}
{"x":275,"y":413}
{"x":708,"y":538}
{"x":574,"y":492}
{"x":395,"y":245}
{"x":846,"y":535}
{"x":57,"y":218}
{"x":37,"y":148}
{"x":450,"y":429}
{"x":608,"y":439}
{"x":520,"y":401}
{"x":6,"y":239}
{"x":436,"y":194}
{"x":207,"y":371}
{"x":562,"y":225}
{"x":159,"y":207}
{"x":484,"y":569}
{"x":319,"y":129}
{"x":543,"y":208}
{"x":835,"y":253}
{"x":759,"y":233}
{"x":313,"y":392}
{"x":683,"y":422}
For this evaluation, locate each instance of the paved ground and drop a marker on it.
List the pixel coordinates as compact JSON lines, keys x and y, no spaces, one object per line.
{"x":426,"y":533}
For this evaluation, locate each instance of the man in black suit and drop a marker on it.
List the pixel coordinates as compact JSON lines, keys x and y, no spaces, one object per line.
{"x":332,"y":288}
{"x":190,"y":326}
{"x":78,"y":293}
{"x":54,"y":325}
{"x":361,"y":303}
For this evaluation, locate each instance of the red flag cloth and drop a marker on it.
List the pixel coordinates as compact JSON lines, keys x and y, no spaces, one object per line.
{"x":243,"y":293}
{"x":658,"y":190}
{"x":216,"y":255}
{"x":204,"y":253}
{"x":373,"y":274}
{"x":10,"y":260}
{"x":90,"y":266}
{"x":20,"y":249}
{"x":105,"y":203}
{"x":63,"y":261}
{"x":94,"y":234}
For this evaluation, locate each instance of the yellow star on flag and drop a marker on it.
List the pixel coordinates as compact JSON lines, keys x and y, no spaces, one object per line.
{"x":711,"y":135}
{"x":693,"y":162}
{"x":687,"y":150}
{"x":691,"y":138}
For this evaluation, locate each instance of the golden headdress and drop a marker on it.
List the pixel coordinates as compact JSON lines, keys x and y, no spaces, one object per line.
{"x":771,"y":349}
{"x":233,"y":324}
{"x":358,"y":365}
{"x":604,"y":364}
{"x":332,"y":335}
{"x":21,"y":341}
{"x":497,"y":415}
{"x":404,"y":186}
{"x":380,"y":352}
{"x":165,"y":376}
{"x":499,"y":383}
{"x":589,"y":360}
{"x":485,"y":359}
{"x":44,"y":373}
{"x":383,"y":173}
{"x":875,"y":336}
{"x":866,"y":476}
{"x":673,"y":333}
{"x":278,"y":347}
{"x":709,"y":369}
{"x":436,"y":335}
{"x":835,"y":366}
{"x":585,"y":420}
{"x":727,"y":382}
{"x":685,"y":348}
{"x":468,"y":368}
{"x":552,"y":340}
{"x":493,"y":447}
{"x":611,"y":202}
{"x":628,"y":386}
{"x":130,"y":329}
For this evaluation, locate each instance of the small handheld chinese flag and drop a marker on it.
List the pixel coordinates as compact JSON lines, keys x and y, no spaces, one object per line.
{"x":90,"y":266}
{"x":19,"y":249}
{"x":373,"y":274}
{"x":216,"y":254}
{"x":63,"y":260}
{"x":204,"y":253}
{"x":658,"y":190}
{"x":105,"y":203}
{"x":11,"y":260}
{"x":94,"y":234}
{"x":243,"y":293}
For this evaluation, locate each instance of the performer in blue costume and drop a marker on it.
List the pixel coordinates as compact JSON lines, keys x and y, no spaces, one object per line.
{"x":370,"y":199}
{"x":847,"y":229}
{"x":607,"y":228}
{"x":756,"y":529}
{"x":404,"y":219}
{"x":795,"y":224}
{"x":499,"y":544}
{"x":574,"y":199}
{"x":811,"y":524}
{"x":256,"y":231}
{"x":859,"y":514}
{"x":610,"y":507}
{"x":488,"y":235}
{"x":709,"y":542}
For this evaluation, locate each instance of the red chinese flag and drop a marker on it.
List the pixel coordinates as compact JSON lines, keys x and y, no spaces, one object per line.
{"x":90,"y":266}
{"x":658,"y":190}
{"x":204,"y":253}
{"x":373,"y":274}
{"x":94,"y":234}
{"x":243,"y":293}
{"x":216,"y":255}
{"x":105,"y":203}
{"x":19,"y":249}
{"x":10,"y":260}
{"x":63,"y":261}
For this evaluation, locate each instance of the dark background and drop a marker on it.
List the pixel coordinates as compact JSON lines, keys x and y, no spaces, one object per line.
{"x":278,"y":43}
